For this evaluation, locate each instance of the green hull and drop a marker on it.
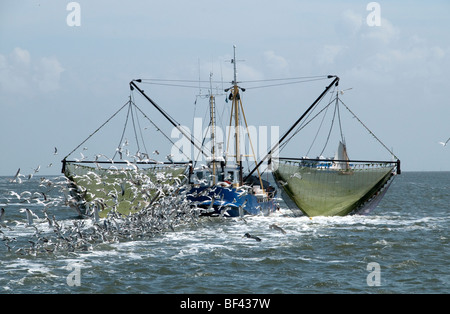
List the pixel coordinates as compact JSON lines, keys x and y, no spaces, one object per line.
{"x":328,"y":192}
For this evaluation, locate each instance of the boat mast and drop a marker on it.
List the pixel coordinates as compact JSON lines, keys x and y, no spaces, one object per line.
{"x":213,"y":127}
{"x":235,"y":113}
{"x":236,"y":104}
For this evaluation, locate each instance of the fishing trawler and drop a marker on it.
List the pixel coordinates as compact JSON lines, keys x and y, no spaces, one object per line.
{"x":219,"y":187}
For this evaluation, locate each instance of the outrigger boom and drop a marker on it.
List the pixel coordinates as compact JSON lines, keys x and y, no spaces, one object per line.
{"x":335,"y":82}
{"x":171,"y":120}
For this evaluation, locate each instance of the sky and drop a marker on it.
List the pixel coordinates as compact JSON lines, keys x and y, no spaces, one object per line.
{"x":65,"y":70}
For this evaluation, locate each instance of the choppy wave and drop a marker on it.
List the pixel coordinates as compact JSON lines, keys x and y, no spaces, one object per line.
{"x":407,"y":236}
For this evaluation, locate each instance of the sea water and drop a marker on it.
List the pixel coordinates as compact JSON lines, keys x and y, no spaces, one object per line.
{"x":401,"y":247}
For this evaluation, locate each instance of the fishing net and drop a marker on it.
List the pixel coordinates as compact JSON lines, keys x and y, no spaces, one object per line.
{"x":118,"y":184}
{"x":332,"y":186}
{"x":321,"y":188}
{"x":125,"y":187}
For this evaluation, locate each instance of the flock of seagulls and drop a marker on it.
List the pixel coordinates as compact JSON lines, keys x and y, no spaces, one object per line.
{"x":50,"y":235}
{"x":160,"y":205}
{"x":18,"y":176}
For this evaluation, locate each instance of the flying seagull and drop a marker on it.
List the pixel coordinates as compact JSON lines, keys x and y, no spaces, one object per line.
{"x":274,"y":226}
{"x":445,"y":144}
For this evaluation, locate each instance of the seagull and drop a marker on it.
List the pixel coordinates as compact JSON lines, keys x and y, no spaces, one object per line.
{"x":30,"y":215}
{"x":132,"y":165}
{"x":96,"y":216}
{"x":119,"y":150}
{"x":274,"y":226}
{"x":2,"y":216}
{"x":15,"y":194}
{"x":248,"y":235}
{"x":16,"y":176}
{"x":445,"y":144}
{"x":296,"y":175}
{"x":211,"y":205}
{"x":224,"y":211}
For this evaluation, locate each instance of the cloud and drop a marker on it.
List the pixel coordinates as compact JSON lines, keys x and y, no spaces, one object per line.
{"x":276,"y":63}
{"x":48,"y":74}
{"x":349,"y":23}
{"x":20,"y":57}
{"x":329,"y":53}
{"x":385,"y":53}
{"x":385,"y":33}
{"x":419,"y":62}
{"x":20,"y":74}
{"x":354,"y":26}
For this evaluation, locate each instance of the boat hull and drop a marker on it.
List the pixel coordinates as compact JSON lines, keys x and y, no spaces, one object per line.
{"x":230,"y":202}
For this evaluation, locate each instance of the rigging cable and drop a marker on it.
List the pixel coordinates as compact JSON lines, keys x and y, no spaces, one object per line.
{"x":96,"y":130}
{"x":305,"y":123}
{"x":331,"y":127}
{"x":175,"y":123}
{"x":134,"y":129}
{"x":318,"y":130}
{"x":289,"y":78}
{"x":119,"y":149}
{"x":340,"y":123}
{"x":140,"y":131}
{"x":289,"y":83}
{"x":177,"y":83}
{"x":203,"y":142}
{"x":371,"y":133}
{"x":158,"y":129}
